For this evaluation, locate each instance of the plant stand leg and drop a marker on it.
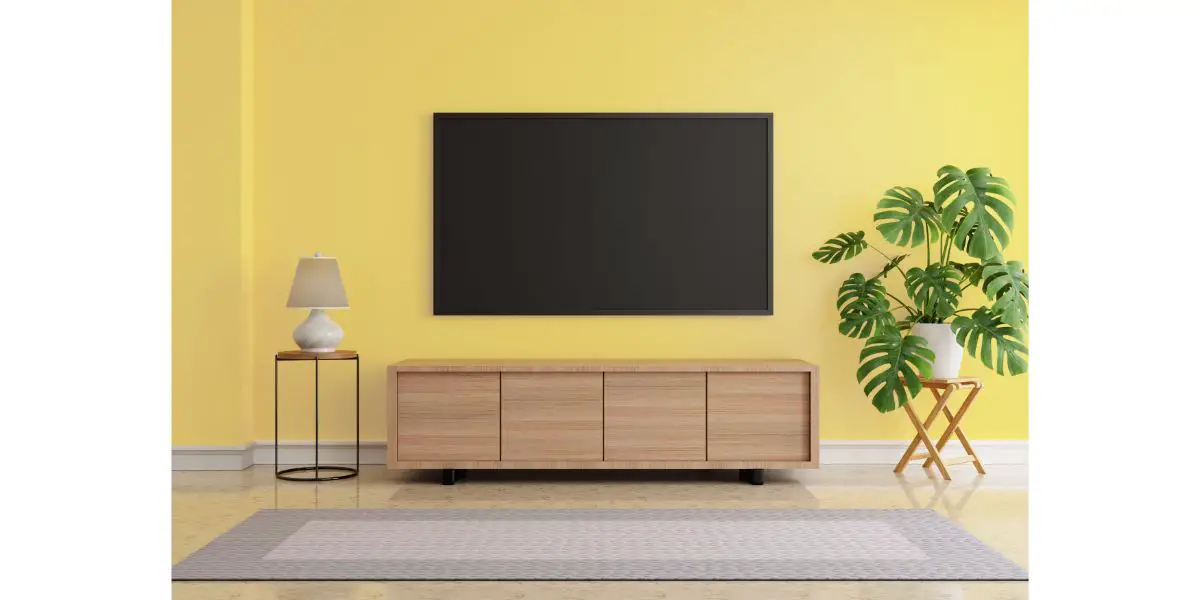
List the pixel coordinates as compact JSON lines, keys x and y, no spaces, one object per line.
{"x":942,"y":399}
{"x":952,"y":428}
{"x":962,"y":436}
{"x":923,"y":436}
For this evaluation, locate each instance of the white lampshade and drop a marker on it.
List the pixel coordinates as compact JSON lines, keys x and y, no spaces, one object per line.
{"x":318,"y":284}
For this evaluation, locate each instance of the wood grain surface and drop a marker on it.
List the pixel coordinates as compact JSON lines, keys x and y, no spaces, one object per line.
{"x":654,"y":416}
{"x":447,"y":416}
{"x":551,"y":416}
{"x":758,"y":416}
{"x":786,"y":365}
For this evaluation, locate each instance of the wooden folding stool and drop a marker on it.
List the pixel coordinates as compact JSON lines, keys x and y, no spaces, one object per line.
{"x":942,"y":389}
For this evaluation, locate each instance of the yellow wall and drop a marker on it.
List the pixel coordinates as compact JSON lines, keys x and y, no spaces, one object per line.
{"x":211,"y":404}
{"x":864,"y":98}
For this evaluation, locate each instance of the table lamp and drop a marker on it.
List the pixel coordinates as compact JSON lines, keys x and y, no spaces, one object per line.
{"x":317,"y":286}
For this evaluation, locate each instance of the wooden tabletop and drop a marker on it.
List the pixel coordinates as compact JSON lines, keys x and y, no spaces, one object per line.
{"x":769,"y":365}
{"x":956,"y":381}
{"x":305,"y":355}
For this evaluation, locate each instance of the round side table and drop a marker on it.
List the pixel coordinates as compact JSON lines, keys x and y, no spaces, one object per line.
{"x":337,"y":472}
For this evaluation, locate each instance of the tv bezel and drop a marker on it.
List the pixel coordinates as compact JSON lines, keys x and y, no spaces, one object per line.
{"x":767,"y":117}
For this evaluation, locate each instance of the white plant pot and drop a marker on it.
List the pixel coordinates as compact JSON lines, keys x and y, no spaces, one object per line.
{"x":948,"y":354}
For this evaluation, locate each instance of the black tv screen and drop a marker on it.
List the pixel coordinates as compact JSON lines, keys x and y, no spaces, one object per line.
{"x":602,"y":214}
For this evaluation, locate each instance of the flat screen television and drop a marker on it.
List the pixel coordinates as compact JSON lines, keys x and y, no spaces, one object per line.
{"x":602,"y":214}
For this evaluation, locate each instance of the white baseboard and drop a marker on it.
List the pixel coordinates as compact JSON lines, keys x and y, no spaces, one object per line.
{"x":211,"y":458}
{"x":833,"y":452}
{"x":332,"y":453}
{"x":887,"y":452}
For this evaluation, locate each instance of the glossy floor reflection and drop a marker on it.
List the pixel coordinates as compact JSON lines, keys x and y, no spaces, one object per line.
{"x":993,"y":507}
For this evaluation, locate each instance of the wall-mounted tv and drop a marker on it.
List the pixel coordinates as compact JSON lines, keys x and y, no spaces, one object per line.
{"x":602,"y":214}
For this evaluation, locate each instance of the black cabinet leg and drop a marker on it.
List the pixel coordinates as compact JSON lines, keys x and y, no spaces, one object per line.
{"x":754,"y":476}
{"x":448,"y":476}
{"x":460,"y":474}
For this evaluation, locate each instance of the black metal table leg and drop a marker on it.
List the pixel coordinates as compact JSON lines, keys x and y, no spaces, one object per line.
{"x":276,"y":414}
{"x":316,"y":468}
{"x":449,"y":476}
{"x":317,"y":417}
{"x":357,"y":418}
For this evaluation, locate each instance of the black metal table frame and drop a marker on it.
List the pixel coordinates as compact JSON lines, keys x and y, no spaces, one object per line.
{"x":316,"y":467}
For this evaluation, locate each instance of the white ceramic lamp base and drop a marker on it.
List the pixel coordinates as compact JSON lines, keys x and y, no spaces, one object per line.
{"x":318,"y":333}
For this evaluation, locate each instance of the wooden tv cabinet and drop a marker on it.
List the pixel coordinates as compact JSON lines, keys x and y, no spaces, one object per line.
{"x":456,"y":415}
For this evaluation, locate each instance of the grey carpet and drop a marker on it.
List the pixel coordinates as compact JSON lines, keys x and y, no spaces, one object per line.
{"x":571,"y":544}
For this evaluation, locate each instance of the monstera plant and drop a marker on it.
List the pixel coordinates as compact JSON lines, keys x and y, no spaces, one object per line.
{"x":964,"y":231}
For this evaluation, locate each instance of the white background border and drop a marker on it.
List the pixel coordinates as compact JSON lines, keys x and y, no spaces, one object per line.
{"x":85,"y":186}
{"x":85,"y":349}
{"x":1113,"y":402}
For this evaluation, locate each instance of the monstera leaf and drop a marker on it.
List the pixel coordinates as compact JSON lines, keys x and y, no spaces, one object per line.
{"x":891,"y":367}
{"x":904,"y":217}
{"x":935,"y":289}
{"x":972,"y":272}
{"x":864,"y":307}
{"x":968,"y":232}
{"x":846,"y":245}
{"x":983,"y":231}
{"x":1007,"y":285}
{"x":997,"y":344}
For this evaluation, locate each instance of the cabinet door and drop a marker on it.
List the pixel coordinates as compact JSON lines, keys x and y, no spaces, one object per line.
{"x":551,"y":416}
{"x":654,"y":416}
{"x":758,"y":416}
{"x":448,"y":416}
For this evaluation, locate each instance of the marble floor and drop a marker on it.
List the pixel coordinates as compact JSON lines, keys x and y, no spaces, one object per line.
{"x":993,"y":507}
